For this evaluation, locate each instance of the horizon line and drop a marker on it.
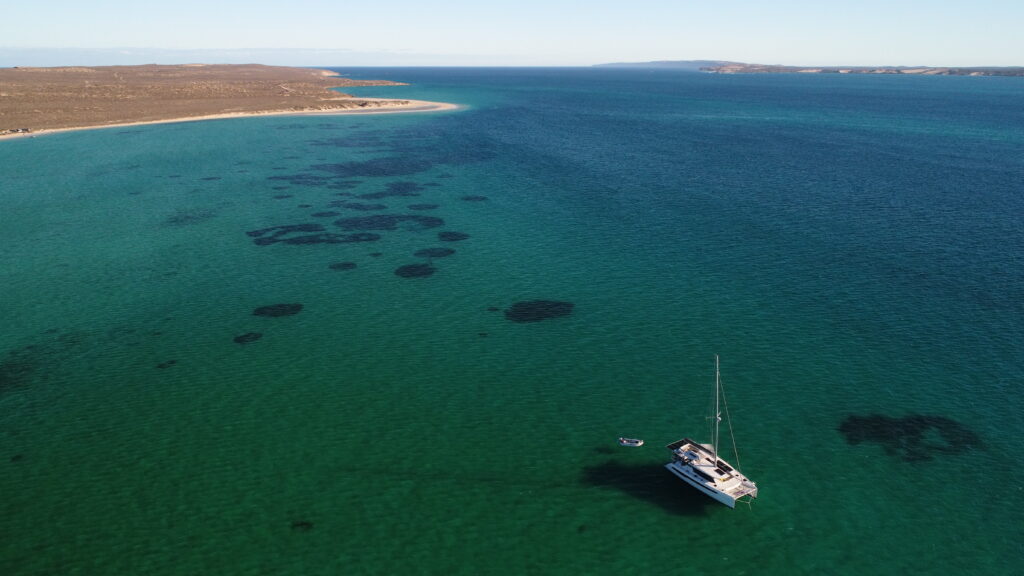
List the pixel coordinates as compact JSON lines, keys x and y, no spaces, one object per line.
{"x":43,"y":56}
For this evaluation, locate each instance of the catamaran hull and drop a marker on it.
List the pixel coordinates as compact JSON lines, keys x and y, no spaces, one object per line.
{"x":729,"y":501}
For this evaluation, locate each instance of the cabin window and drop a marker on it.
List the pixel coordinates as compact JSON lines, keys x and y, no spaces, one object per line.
{"x":703,"y":475}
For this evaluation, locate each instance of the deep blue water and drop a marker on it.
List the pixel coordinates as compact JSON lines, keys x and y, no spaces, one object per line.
{"x":851,"y":246}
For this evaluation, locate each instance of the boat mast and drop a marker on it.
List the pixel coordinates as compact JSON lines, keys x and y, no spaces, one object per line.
{"x":717,"y":415}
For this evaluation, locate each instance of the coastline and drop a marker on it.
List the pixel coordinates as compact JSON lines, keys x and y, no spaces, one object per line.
{"x":385,"y":106}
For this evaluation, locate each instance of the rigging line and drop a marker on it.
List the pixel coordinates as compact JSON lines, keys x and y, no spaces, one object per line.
{"x":731,"y":435}
{"x":711,"y":419}
{"x":717,"y":413}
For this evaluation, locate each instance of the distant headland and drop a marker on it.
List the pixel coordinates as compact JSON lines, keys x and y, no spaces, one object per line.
{"x":725,"y":67}
{"x":38,"y":100}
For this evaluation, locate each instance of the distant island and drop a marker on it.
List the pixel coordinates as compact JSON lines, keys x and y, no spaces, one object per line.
{"x":694,"y":65}
{"x":725,"y":67}
{"x":35,"y":100}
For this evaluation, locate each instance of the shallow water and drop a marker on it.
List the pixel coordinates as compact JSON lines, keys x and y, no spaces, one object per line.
{"x":850,"y":246}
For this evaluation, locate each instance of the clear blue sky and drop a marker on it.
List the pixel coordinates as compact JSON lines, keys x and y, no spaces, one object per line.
{"x":525,"y":32}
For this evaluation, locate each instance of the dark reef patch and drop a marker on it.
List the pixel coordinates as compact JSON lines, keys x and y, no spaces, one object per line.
{"x":305,"y":205}
{"x":415,"y":270}
{"x":211,"y":178}
{"x":303,"y":179}
{"x":404,"y":187}
{"x":323,"y":238}
{"x":324,"y":214}
{"x":248,"y":337}
{"x":357,"y":140}
{"x":281,"y":234}
{"x":358,"y":206}
{"x":277,"y":233}
{"x":378,"y":167}
{"x":17,"y":458}
{"x":376,"y":254}
{"x":342,"y":266}
{"x":423,"y":206}
{"x":474,"y":198}
{"x":15,"y":371}
{"x":277,"y":310}
{"x":395,"y":189}
{"x":493,"y":309}
{"x":344,"y":185}
{"x":913,"y":438}
{"x":280,"y":187}
{"x":186,"y":216}
{"x":447,"y":236}
{"x":389,"y":222}
{"x":302,"y":525}
{"x":282,"y":196}
{"x":285,"y":229}
{"x":25,"y":365}
{"x":434,"y":252}
{"x":166,"y":364}
{"x":67,"y":339}
{"x":537,"y":310}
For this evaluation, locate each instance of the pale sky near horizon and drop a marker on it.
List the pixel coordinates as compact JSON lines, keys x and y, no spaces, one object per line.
{"x":526,"y":32}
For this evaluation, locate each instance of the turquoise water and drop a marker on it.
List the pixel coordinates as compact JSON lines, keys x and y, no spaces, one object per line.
{"x":850,"y":246}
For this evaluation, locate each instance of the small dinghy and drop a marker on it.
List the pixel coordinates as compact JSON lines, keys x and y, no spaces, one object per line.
{"x":634,"y":442}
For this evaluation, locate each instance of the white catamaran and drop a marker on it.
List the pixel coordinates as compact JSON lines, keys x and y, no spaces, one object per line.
{"x":699,"y":465}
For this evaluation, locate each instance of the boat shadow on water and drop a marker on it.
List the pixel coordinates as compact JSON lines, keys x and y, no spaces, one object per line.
{"x":650,"y":482}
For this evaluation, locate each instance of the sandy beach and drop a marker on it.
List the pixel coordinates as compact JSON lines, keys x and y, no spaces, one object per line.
{"x":35,"y":101}
{"x":380,"y":106}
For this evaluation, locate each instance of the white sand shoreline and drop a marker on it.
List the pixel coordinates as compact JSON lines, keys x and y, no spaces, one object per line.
{"x":408,"y":106}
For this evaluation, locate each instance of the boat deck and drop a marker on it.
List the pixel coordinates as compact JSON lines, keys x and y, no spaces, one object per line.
{"x":715,"y":473}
